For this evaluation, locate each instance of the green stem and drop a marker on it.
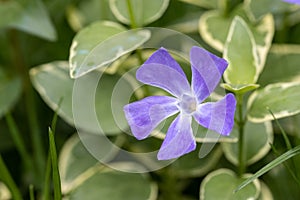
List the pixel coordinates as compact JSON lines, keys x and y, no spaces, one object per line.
{"x":241,"y":124}
{"x":7,"y":179}
{"x":169,"y":186}
{"x":31,"y":192}
{"x":16,"y":136}
{"x":131,"y":15}
{"x":29,"y":104}
{"x":133,"y":26}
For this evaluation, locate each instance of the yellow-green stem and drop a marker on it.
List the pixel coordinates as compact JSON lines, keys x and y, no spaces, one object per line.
{"x":241,"y":124}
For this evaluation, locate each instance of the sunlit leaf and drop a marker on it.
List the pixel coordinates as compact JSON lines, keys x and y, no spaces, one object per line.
{"x":241,"y":53}
{"x":53,"y":82}
{"x":101,"y":43}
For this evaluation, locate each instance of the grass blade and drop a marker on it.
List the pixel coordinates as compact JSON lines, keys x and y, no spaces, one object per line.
{"x":8,"y":180}
{"x":287,"y":155}
{"x":55,"y":170}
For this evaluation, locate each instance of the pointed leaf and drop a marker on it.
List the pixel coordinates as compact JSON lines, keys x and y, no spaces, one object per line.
{"x":143,"y":11}
{"x":287,"y":155}
{"x":101,"y":43}
{"x":281,"y":98}
{"x":10,"y":90}
{"x":241,"y":53}
{"x":220,"y":184}
{"x":52,"y":81}
{"x":30,"y":16}
{"x":212,"y":21}
{"x":257,"y":140}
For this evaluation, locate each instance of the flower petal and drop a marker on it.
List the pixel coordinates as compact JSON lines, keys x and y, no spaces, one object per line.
{"x":164,"y":77}
{"x":293,"y":1}
{"x":162,"y":56}
{"x":179,"y":139}
{"x":161,"y":70}
{"x":207,"y":70}
{"x":144,"y":115}
{"x":217,"y":116}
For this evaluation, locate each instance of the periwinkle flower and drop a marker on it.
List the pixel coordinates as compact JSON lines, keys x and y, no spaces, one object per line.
{"x":161,"y":70}
{"x":293,"y":1}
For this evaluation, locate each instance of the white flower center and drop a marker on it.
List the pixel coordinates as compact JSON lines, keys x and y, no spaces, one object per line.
{"x":188,"y":104}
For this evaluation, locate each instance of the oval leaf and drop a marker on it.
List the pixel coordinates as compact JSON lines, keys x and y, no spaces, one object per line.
{"x":116,"y":185}
{"x":75,"y":160}
{"x":52,"y":81}
{"x":191,"y":166}
{"x":241,"y":53}
{"x":257,"y":140}
{"x":220,"y":184}
{"x":281,"y":98}
{"x":100,"y":44}
{"x":143,"y":11}
{"x":11,"y":89}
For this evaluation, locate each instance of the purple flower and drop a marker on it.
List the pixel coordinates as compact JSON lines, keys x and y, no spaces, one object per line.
{"x":293,"y":1}
{"x":161,"y":70}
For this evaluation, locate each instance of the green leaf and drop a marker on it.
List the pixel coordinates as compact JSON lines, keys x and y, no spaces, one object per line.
{"x":55,"y":170}
{"x":210,"y":4}
{"x":241,"y":53}
{"x":212,"y":22}
{"x":116,"y":185}
{"x":100,"y":44}
{"x":256,"y":9}
{"x":257,"y":139}
{"x":266,"y":193}
{"x":281,"y":98}
{"x":239,"y":89}
{"x":282,"y":64}
{"x":190,"y":165}
{"x":87,"y":12}
{"x":220,"y":185}
{"x":52,"y":81}
{"x":287,"y":155}
{"x":4,"y":192}
{"x":30,"y":16}
{"x":144,"y":11}
{"x":77,"y":163}
{"x":12,"y":88}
